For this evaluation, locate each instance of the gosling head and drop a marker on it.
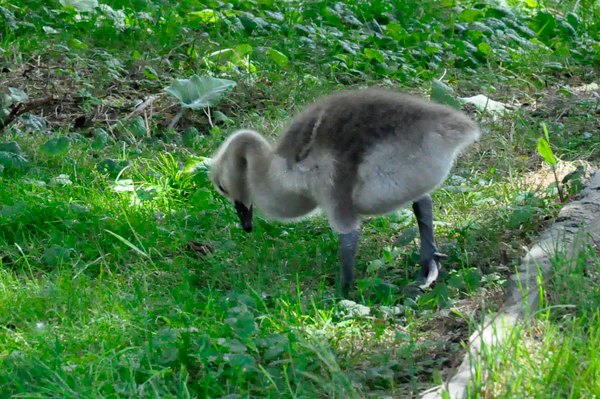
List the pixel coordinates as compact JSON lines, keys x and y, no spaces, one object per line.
{"x":229,"y":176}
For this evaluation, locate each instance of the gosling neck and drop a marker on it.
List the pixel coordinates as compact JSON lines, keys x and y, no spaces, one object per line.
{"x":258,"y":153}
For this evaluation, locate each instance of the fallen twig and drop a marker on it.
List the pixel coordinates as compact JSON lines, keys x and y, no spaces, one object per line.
{"x":139,"y":110}
{"x":176,"y":119}
{"x":18,"y":110}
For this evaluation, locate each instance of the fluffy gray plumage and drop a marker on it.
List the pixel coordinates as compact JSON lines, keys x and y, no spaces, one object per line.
{"x":364,"y":152}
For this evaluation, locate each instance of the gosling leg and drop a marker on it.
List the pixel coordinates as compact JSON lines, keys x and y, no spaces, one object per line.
{"x":430,"y":258}
{"x":347,"y":252}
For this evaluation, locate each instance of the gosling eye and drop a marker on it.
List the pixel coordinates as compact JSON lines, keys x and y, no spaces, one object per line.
{"x":222,"y":189}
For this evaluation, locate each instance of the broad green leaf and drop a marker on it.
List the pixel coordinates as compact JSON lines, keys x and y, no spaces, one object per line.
{"x":472,"y":277}
{"x":118,"y":16}
{"x":566,"y":28}
{"x":203,"y":199}
{"x":577,"y":174}
{"x":33,"y":122}
{"x":469,"y":15}
{"x":243,"y":324}
{"x":272,"y":339}
{"x":437,"y":377}
{"x":238,"y":303}
{"x":111,"y":166}
{"x":347,"y":46}
{"x":553,"y":65}
{"x":81,"y":5}
{"x":5,"y":100}
{"x":527,"y":32}
{"x":546,"y":23}
{"x":18,"y":95}
{"x":168,"y":354}
{"x":206,"y":16}
{"x":190,"y":136}
{"x":12,"y":147}
{"x":74,"y":136}
{"x":55,"y":146}
{"x":165,"y":336}
{"x":242,"y":362}
{"x":352,"y":20}
{"x":354,"y":309}
{"x":438,"y":296}
{"x":456,"y":281}
{"x":545,"y":151}
{"x":274,"y":351}
{"x":499,"y":12}
{"x":101,"y":139}
{"x":235,"y":345}
{"x":385,"y":290}
{"x":441,"y":94}
{"x":520,"y":215}
{"x":77,"y":44}
{"x":12,"y":161}
{"x":106,"y":166}
{"x":395,"y":31}
{"x":138,"y":127}
{"x":276,"y":15}
{"x":146,"y":194}
{"x":219,"y":116}
{"x":150,"y":73}
{"x":193,"y":164}
{"x":251,"y":22}
{"x":278,"y":57}
{"x":374,"y":54}
{"x":574,"y":20}
{"x":406,"y":237}
{"x":375,"y":265}
{"x":9,"y":17}
{"x":78,"y":208}
{"x":243,"y":50}
{"x":199,"y":92}
{"x":484,"y":48}
{"x":56,"y":255}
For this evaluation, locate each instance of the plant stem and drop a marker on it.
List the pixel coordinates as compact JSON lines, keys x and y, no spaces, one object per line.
{"x":558,"y":185}
{"x":176,"y":119}
{"x":209,"y":118}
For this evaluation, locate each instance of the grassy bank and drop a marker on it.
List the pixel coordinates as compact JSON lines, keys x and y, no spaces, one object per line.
{"x":101,"y":292}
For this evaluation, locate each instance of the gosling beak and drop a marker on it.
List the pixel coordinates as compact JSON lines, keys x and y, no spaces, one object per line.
{"x":245,"y":215}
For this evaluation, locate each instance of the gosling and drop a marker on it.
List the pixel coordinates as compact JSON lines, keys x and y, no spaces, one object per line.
{"x":360,"y":152}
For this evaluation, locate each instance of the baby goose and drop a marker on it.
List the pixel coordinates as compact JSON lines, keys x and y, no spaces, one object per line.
{"x":365,"y":152}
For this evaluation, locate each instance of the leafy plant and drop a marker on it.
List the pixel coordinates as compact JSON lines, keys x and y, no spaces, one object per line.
{"x":11,"y":156}
{"x":56,"y":146}
{"x":547,"y":153}
{"x":442,"y":94}
{"x":198,"y":93}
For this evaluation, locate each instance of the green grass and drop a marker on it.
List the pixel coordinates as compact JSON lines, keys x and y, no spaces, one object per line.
{"x":557,"y":354}
{"x":100,"y":294}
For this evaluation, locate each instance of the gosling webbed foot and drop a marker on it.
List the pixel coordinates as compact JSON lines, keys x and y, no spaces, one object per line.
{"x":347,"y":252}
{"x":430,"y":267}
{"x":430,"y":258}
